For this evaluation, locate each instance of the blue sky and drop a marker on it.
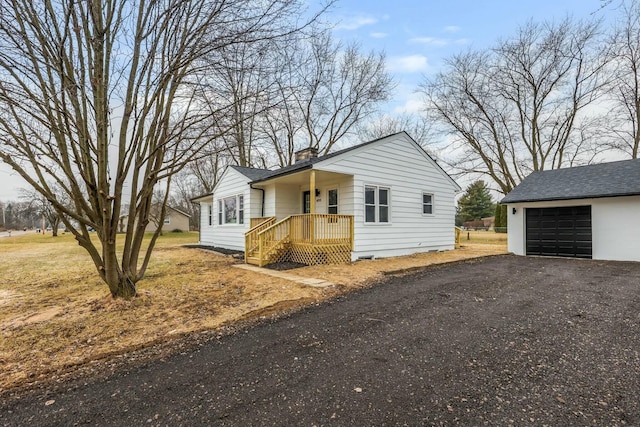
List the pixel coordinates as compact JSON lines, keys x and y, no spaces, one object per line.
{"x":418,"y":34}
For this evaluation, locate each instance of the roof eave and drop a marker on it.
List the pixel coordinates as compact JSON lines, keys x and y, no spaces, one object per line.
{"x":556,"y":199}
{"x":285,"y":173}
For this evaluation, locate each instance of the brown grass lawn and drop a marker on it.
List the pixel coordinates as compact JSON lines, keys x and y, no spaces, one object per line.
{"x":55,"y":314}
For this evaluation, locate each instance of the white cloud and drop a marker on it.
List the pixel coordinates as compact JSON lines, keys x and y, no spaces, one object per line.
{"x":355,"y":22}
{"x":413,"y":104}
{"x":451,"y":29}
{"x":438,"y":42}
{"x":408,"y":64}
{"x":433,"y":41}
{"x":378,"y":35}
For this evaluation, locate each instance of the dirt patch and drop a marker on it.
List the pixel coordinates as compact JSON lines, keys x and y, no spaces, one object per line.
{"x":6,"y":296}
{"x":36,"y":317}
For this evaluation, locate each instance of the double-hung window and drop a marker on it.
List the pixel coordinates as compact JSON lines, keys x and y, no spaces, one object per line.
{"x":376,"y":204}
{"x":231,"y":210}
{"x":427,"y":203}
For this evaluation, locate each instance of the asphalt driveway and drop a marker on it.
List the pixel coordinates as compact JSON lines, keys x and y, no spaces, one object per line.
{"x":501,"y":340}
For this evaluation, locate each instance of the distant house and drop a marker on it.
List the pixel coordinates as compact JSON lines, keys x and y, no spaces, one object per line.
{"x":382,"y":198}
{"x":584,"y":212}
{"x":174,"y":219}
{"x":489,"y":222}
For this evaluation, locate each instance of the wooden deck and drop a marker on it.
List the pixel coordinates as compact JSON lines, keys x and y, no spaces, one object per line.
{"x":308,"y":239}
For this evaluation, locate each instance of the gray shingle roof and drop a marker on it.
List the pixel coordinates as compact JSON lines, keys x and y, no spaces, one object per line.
{"x":251,"y":173}
{"x":583,"y":182}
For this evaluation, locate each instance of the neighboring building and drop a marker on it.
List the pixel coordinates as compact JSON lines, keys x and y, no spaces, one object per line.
{"x":489,"y":222}
{"x":174,"y":219}
{"x":584,"y":212}
{"x":382,"y":198}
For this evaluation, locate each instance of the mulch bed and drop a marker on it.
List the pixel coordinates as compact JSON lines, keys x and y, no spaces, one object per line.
{"x":280,"y":266}
{"x":223,"y":251}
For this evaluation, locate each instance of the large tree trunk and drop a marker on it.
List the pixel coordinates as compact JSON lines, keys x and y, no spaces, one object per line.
{"x":119,"y":282}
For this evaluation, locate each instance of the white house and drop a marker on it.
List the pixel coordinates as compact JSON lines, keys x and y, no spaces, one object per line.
{"x":382,"y":198}
{"x":584,"y":212}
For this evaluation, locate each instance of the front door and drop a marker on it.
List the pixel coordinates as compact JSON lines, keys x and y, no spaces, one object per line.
{"x":306,"y":202}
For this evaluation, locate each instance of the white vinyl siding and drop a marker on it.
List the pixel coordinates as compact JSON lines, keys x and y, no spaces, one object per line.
{"x":398,"y":164}
{"x":229,"y":228}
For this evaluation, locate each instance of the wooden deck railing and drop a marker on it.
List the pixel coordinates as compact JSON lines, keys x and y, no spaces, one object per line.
{"x":301,"y":237}
{"x":259,"y":220}
{"x":322,"y":229}
{"x":251,"y":239}
{"x":457,"y":241}
{"x":273,"y":241}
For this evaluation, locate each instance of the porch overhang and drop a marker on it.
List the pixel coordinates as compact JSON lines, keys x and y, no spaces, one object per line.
{"x":300,"y":177}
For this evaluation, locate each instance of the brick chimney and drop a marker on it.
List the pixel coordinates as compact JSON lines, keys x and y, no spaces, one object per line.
{"x":306,"y":153}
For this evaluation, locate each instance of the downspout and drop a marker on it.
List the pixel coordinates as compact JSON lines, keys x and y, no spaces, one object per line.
{"x":262,"y":204}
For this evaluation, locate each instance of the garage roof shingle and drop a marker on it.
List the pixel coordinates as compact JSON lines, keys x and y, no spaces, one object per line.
{"x":612,"y":179}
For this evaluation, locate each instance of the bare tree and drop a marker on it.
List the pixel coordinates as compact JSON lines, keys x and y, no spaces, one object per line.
{"x":520,"y":107}
{"x":289,"y":93}
{"x":102,"y":97}
{"x":44,"y":207}
{"x":336,"y":88}
{"x":417,"y":126}
{"x":623,"y":123}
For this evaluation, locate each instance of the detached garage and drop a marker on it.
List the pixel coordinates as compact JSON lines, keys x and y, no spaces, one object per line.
{"x":583,"y":212}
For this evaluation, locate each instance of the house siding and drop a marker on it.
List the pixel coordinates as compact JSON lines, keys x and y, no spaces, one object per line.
{"x":614,"y":222}
{"x":231,"y":236}
{"x":400,"y":165}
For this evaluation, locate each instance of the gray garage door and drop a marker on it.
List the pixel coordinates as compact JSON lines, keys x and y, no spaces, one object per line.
{"x":562,"y":231}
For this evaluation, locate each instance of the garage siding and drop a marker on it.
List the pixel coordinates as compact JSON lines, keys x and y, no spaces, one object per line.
{"x":614,"y":226}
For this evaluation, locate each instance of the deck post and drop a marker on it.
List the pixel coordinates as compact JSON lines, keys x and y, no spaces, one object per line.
{"x":312,"y":207}
{"x":352,"y":232}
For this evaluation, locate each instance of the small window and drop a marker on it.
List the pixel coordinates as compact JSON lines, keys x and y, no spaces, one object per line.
{"x":427,"y":203}
{"x":332,"y":203}
{"x":376,"y":204}
{"x":241,"y":209}
{"x":167,"y":219}
{"x":210,"y":214}
{"x":383,"y":202}
{"x":369,"y":204}
{"x":220,"y":212}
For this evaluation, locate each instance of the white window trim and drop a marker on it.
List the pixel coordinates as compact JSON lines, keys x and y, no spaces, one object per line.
{"x":167,"y":219}
{"x":433,"y":203}
{"x":377,"y":222}
{"x":221,"y":214}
